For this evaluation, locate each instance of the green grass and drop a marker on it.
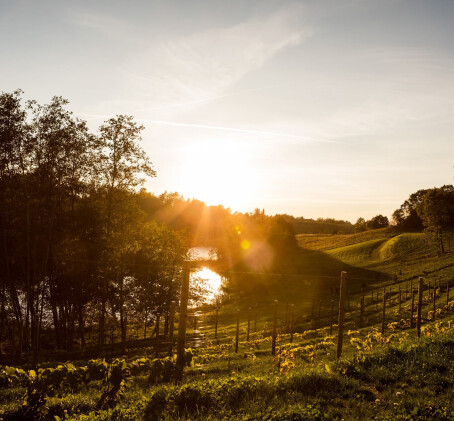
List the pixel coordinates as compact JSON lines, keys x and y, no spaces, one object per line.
{"x":406,"y":379}
{"x":326,"y":242}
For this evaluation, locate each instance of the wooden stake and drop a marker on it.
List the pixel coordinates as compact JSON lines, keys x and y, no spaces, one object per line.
{"x":418,"y":317}
{"x":248,"y":323}
{"x":273,"y":339}
{"x":434,"y":304}
{"x":292,"y":308}
{"x":331,"y":318}
{"x":182,"y":322}
{"x":340,"y":328}
{"x":255,"y":318}
{"x":313,"y":305}
{"x":216,"y":324}
{"x":286,"y":314}
{"x":447,"y":292}
{"x":237,"y":335}
{"x":383,"y":317}
{"x":158,"y":317}
{"x":412,"y":307}
{"x":361,"y":317}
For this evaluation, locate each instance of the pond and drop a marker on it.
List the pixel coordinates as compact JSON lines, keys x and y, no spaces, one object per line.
{"x":207,"y":281}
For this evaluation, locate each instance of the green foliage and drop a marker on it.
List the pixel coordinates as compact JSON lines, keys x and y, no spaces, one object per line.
{"x":67,"y":378}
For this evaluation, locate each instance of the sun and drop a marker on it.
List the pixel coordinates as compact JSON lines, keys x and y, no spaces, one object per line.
{"x":218,"y":172}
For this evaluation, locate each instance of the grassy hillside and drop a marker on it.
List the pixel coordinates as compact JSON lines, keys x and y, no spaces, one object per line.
{"x":371,"y":259}
{"x":326,"y":242}
{"x":401,"y":256}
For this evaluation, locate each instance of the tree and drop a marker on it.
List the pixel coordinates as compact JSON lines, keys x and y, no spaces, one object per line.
{"x":377,"y":222}
{"x":437,"y":212}
{"x":360,"y":225}
{"x":407,"y":218}
{"x":121,"y":166}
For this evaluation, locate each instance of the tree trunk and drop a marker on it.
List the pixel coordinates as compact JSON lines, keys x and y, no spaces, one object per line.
{"x":166,"y":323}
{"x":81,"y":326}
{"x":102,"y":323}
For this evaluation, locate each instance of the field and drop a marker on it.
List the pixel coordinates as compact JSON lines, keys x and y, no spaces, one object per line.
{"x":394,"y":375}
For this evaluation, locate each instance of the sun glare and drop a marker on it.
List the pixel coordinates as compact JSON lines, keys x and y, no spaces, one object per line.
{"x":218,"y":173}
{"x":211,"y":282}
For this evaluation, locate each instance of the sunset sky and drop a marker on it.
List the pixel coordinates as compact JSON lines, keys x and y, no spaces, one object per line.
{"x":314,"y":108}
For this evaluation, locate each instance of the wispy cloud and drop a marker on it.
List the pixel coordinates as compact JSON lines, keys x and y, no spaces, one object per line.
{"x":207,"y":63}
{"x":111,"y":26}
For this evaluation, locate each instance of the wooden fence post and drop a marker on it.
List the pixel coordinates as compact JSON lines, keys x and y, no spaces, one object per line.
{"x":286,"y":315}
{"x":434,"y":304}
{"x":273,"y":339}
{"x":292,"y":308}
{"x":182,"y":322}
{"x":237,"y":335}
{"x":361,"y":317}
{"x":216,"y":324}
{"x":313,"y":305}
{"x":331,"y":318}
{"x":158,"y":317}
{"x":255,"y":318}
{"x":418,"y":317}
{"x":447,"y":292}
{"x":383,"y":317}
{"x":171,"y":326}
{"x":412,"y":308}
{"x":340,"y":327}
{"x":248,"y":323}
{"x":347,"y":297}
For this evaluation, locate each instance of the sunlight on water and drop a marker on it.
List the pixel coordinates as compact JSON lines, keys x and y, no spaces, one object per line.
{"x":210,"y":281}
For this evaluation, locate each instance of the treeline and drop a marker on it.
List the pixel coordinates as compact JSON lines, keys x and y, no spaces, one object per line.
{"x":84,"y":250}
{"x":77,"y":248}
{"x":431,"y":210}
{"x":377,"y":222}
{"x":320,"y":225}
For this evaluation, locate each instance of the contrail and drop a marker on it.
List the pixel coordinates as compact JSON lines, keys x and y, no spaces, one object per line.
{"x":236,"y":130}
{"x":207,"y":99}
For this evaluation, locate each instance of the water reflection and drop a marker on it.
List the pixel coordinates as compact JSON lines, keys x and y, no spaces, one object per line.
{"x":205,"y":283}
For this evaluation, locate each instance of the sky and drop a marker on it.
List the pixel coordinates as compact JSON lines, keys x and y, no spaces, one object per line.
{"x":338,"y":108}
